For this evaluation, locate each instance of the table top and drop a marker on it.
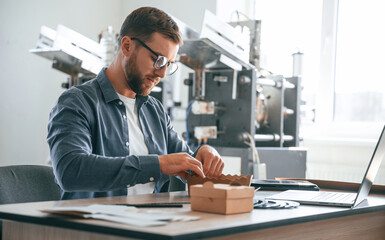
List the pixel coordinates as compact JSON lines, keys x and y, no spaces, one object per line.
{"x":209,"y":225}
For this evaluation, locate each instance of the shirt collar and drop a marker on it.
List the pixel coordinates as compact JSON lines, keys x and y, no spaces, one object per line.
{"x":109,"y":92}
{"x":106,"y":87}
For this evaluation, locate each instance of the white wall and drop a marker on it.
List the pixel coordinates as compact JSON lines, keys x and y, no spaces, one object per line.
{"x":340,"y":159}
{"x":333,"y":155}
{"x":29,"y":86}
{"x":226,"y":10}
{"x":190,"y":12}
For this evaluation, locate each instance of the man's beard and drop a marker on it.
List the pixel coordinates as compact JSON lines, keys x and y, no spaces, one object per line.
{"x":133,"y":77}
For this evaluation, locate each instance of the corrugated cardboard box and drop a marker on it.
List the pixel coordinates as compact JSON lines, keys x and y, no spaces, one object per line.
{"x":243,"y":180}
{"x":221,"y":198}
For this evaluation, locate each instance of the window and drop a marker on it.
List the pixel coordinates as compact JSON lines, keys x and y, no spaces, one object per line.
{"x":286,"y":28}
{"x":343,"y":46}
{"x":359,"y":79}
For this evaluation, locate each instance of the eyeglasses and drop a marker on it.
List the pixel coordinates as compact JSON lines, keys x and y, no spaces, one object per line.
{"x":160,"y":61}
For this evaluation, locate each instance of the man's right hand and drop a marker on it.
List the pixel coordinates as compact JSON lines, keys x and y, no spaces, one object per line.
{"x":179,"y":163}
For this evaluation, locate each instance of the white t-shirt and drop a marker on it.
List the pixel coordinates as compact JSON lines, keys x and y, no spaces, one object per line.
{"x":137,"y":143}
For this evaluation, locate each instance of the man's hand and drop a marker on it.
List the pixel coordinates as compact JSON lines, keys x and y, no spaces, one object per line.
{"x":212,"y":161}
{"x":179,"y":163}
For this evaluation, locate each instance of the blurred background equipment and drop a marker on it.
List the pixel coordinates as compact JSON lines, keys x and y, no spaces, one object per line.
{"x":231,"y":98}
{"x":74,"y":54}
{"x":82,"y":58}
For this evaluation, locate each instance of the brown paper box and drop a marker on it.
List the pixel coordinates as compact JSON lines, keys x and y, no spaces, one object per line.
{"x":243,"y":180}
{"x":221,"y":198}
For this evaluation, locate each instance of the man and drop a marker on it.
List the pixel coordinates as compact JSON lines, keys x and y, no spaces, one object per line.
{"x":108,"y":134}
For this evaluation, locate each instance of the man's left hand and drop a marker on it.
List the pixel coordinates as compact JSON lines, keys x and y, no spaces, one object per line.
{"x":211,"y":160}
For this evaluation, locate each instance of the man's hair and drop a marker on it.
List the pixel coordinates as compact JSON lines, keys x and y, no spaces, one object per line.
{"x":145,"y":21}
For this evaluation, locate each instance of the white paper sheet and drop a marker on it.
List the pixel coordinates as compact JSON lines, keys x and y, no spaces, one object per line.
{"x":121,"y":214}
{"x":126,"y":220}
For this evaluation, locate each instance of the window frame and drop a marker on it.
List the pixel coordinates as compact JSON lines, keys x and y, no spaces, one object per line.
{"x":325,"y":125}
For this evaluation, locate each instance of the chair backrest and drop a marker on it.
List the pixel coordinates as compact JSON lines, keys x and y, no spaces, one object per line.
{"x":27,"y":183}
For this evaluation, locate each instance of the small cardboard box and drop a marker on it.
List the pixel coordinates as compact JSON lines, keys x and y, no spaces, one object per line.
{"x":221,"y":198}
{"x":243,"y":180}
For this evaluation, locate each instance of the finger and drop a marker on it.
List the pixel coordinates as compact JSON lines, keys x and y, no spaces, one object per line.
{"x":195,"y":165}
{"x":211,"y":172}
{"x":194,"y":161}
{"x":204,"y":155}
{"x":219,"y":169}
{"x":197,"y":170}
{"x":207,"y":164}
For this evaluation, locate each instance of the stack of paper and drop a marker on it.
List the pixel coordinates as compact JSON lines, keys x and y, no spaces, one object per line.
{"x":121,"y":214}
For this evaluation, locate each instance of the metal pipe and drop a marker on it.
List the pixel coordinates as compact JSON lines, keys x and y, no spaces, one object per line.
{"x":273,"y":83}
{"x":287,"y":111}
{"x":297,"y":64}
{"x":266,"y":137}
{"x":287,"y":84}
{"x":271,"y":137}
{"x":234,"y":89}
{"x":266,"y":82}
{"x":287,"y":138}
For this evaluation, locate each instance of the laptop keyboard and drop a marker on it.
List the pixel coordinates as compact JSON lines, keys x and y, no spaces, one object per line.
{"x":334,"y":197}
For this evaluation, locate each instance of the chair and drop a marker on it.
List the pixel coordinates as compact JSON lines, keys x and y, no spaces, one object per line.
{"x":27,"y":183}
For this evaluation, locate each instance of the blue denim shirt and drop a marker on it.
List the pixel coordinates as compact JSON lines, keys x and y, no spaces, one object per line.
{"x":90,"y":147}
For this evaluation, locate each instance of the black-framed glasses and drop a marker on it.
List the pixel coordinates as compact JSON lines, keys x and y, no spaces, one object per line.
{"x":160,"y":61}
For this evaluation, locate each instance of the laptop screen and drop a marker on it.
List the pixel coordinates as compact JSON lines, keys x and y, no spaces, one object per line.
{"x":371,"y":171}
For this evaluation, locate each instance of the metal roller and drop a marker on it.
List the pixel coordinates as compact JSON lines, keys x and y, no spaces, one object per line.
{"x":271,"y":137}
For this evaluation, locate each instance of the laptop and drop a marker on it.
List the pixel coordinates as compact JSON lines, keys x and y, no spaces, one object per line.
{"x":340,"y":199}
{"x":281,"y":185}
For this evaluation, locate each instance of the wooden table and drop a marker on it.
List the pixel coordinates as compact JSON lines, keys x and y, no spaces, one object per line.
{"x":25,"y":221}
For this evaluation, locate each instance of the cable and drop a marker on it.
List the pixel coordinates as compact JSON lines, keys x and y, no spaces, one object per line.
{"x":241,"y":13}
{"x":238,"y":15}
{"x":253,"y":148}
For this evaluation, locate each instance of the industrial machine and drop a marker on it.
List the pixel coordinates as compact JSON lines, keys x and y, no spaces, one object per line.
{"x":81,"y":57}
{"x":72,"y":53}
{"x":229,"y":100}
